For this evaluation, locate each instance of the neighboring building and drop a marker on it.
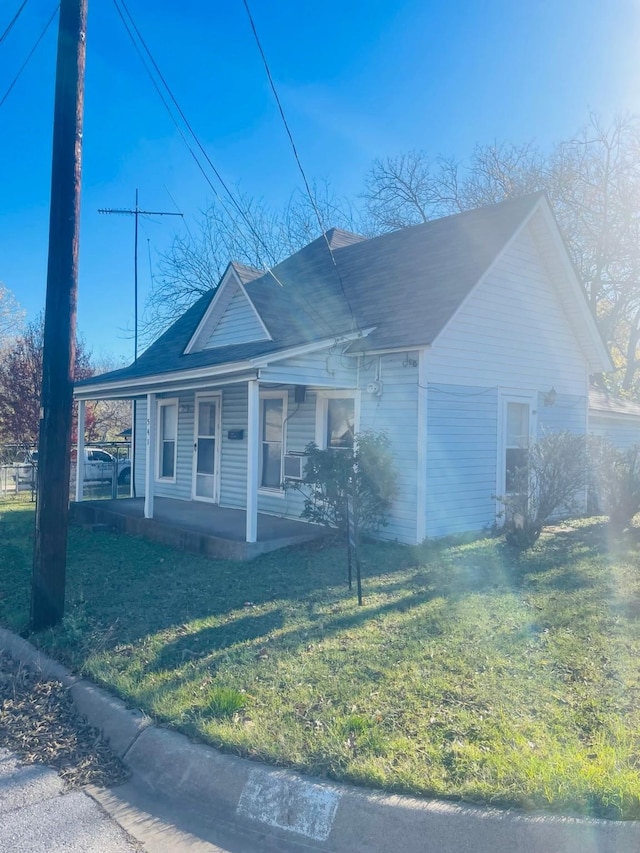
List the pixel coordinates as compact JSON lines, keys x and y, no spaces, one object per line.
{"x":613,"y":418}
{"x":463,"y":338}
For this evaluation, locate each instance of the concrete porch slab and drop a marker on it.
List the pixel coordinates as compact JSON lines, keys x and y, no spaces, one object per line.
{"x":196,"y":527}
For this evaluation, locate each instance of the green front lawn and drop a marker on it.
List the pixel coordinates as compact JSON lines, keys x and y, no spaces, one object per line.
{"x":470,"y":673}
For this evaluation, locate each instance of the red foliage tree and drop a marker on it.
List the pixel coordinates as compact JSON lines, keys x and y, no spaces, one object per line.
{"x":21,"y":382}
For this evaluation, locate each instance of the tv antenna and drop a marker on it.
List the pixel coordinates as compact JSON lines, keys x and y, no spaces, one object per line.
{"x":136,"y":212}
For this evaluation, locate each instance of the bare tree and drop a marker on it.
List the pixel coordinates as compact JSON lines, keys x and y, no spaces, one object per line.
{"x":251,"y":233}
{"x":11,"y":316}
{"x":594,"y":185}
{"x":105,"y":420}
{"x":593,"y":182}
{"x":411,"y":188}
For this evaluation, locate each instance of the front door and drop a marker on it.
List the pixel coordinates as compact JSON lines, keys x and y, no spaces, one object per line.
{"x":516,"y":428}
{"x":206,"y":449}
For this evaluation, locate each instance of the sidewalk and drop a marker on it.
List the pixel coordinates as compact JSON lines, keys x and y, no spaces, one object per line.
{"x":37,"y":816}
{"x":267,"y":809}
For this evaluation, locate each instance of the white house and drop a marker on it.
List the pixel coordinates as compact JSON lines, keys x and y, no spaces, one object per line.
{"x":463,"y":338}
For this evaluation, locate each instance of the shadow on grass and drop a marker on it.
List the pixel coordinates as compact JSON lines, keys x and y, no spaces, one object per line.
{"x":204,"y":650}
{"x":198,"y":644}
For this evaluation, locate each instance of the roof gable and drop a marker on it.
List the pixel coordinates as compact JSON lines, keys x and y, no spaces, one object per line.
{"x":406,"y":285}
{"x":231,"y":318}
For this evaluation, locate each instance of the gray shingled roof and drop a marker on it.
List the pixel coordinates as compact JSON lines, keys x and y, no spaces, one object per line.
{"x":407,"y":283}
{"x":607,"y":404}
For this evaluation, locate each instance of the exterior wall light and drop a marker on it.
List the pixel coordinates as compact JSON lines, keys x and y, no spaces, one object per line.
{"x":550,"y":397}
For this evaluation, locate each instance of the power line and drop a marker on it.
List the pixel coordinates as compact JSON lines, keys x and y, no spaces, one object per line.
{"x":12,"y":22}
{"x":189,"y":127}
{"x":241,"y":212}
{"x":297,"y":158}
{"x":31,"y":52}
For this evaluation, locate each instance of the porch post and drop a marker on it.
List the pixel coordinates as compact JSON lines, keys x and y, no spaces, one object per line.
{"x":422,"y":454}
{"x":253,"y":431}
{"x":150,"y":458}
{"x":80,"y":452}
{"x":132,"y":451}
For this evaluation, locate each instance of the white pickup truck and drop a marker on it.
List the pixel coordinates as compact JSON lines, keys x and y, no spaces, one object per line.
{"x":99,"y":466}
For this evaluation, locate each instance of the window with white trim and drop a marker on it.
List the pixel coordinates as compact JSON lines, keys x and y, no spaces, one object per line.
{"x":273,"y":407}
{"x":167,"y":439}
{"x":336,"y":421}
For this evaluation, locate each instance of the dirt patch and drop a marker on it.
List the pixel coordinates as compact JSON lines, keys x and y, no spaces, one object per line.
{"x":38,"y":720}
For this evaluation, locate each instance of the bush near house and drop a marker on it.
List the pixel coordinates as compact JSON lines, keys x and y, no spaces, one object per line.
{"x":365,"y":474}
{"x":615,"y":480}
{"x":551,"y":483}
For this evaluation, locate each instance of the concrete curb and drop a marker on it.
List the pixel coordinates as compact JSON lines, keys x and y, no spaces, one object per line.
{"x":311,"y":812}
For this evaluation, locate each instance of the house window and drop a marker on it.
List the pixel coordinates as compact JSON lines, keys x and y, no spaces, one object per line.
{"x":516,"y":443}
{"x":336,"y":420}
{"x":167,"y":439}
{"x":272,"y":420}
{"x":341,"y":419}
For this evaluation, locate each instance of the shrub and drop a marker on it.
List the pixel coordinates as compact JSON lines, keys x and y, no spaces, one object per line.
{"x":550,"y":483}
{"x":364,"y":473}
{"x":616,"y":480}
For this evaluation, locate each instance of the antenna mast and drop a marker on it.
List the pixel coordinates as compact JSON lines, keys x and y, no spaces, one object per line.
{"x":136,"y":212}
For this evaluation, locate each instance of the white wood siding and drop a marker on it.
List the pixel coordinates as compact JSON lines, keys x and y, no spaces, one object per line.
{"x":299,"y":431}
{"x":233,"y":460}
{"x":567,"y":413}
{"x":462,"y":447}
{"x":395,"y":412}
{"x":238,"y":325}
{"x":326,"y":369}
{"x":462,"y":424}
{"x":181,"y":489}
{"x":512,"y":331}
{"x":623,"y":431}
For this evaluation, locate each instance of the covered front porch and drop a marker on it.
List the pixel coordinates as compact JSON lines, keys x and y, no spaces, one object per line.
{"x":216,"y":445}
{"x":198,"y":528}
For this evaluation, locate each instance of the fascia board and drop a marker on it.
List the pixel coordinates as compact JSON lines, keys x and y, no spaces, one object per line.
{"x":601,"y":352}
{"x":204,"y":383}
{"x":303,"y":349}
{"x":391,"y":350}
{"x":132,"y":385}
{"x":89,"y":392}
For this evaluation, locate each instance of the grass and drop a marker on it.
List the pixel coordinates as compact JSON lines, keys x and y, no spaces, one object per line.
{"x":470,"y":673}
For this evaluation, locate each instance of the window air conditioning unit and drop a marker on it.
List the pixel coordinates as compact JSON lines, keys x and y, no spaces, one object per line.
{"x":294,"y":464}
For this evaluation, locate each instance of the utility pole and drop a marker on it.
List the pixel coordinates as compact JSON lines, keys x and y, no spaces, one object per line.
{"x":50,"y":548}
{"x":136,"y":213}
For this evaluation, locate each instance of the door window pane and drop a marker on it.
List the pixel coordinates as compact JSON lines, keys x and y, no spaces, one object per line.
{"x":340,"y":422}
{"x":517,"y":442}
{"x":517,"y":424}
{"x":206,"y":455}
{"x":168,"y":459}
{"x":207,"y":418}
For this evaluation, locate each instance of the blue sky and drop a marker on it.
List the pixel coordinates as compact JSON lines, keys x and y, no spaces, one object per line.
{"x":358,"y":80}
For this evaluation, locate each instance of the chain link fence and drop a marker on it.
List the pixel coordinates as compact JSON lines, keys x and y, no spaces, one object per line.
{"x":107,"y":471}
